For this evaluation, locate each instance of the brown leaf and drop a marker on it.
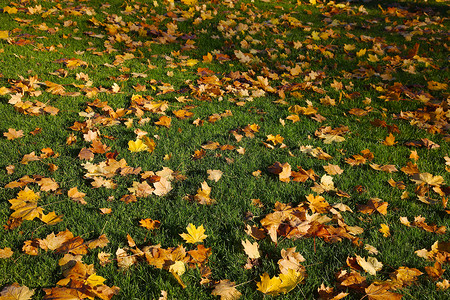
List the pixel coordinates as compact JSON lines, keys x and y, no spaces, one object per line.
{"x":76,"y":195}
{"x":100,"y":242}
{"x":333,"y":169}
{"x":226,"y":290}
{"x":164,"y":121}
{"x":86,"y":154}
{"x":13,"y":134}
{"x":16,"y":292}
{"x":381,"y":292}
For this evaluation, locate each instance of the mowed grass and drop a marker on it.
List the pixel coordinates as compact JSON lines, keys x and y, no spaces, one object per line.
{"x":385,"y":59}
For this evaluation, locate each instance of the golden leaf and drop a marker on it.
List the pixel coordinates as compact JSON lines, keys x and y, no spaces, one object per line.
{"x":269,"y":286}
{"x":194,"y":235}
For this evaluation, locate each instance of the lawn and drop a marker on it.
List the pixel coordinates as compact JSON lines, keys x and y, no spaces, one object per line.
{"x":224,"y":149}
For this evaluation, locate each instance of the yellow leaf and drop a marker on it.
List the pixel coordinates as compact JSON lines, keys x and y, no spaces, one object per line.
{"x":191,"y":62}
{"x":361,"y":52}
{"x":137,"y":146}
{"x":214,"y":175}
{"x":349,"y":47}
{"x":178,"y":268}
{"x":194,"y":235}
{"x":4,"y":34}
{"x":51,"y":218}
{"x":317,"y":203}
{"x":269,"y":286}
{"x":10,"y":10}
{"x":150,"y":143}
{"x":290,"y":280}
{"x":278,"y":139}
{"x":28,"y":212}
{"x":315,"y":36}
{"x":189,"y":2}
{"x":95,"y":280}
{"x":385,"y":230}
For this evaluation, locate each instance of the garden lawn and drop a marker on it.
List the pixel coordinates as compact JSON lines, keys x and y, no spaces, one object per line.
{"x":232,"y":149}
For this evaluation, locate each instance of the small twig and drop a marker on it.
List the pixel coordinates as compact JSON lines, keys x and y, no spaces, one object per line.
{"x":101,"y":232}
{"x":53,"y":203}
{"x":244,"y":283}
{"x":19,"y":257}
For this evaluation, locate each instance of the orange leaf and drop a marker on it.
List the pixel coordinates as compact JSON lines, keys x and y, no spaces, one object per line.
{"x":390,"y":140}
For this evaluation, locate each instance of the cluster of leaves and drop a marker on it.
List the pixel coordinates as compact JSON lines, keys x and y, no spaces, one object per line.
{"x":299,"y":82}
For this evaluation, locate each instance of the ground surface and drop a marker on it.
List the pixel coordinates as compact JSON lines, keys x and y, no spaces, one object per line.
{"x":196,"y":150}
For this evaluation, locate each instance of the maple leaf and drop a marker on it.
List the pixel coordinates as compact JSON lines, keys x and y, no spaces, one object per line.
{"x":255,"y":232}
{"x":327,"y":293}
{"x":406,"y":275}
{"x":76,"y":195}
{"x":390,"y":140}
{"x":51,"y":218}
{"x":13,"y":134}
{"x":53,"y":242}
{"x":326,"y":185}
{"x":289,"y":280}
{"x":317,"y":203}
{"x":251,"y":249}
{"x":443,"y":285}
{"x":149,"y":223}
{"x":371,"y":265}
{"x":330,"y":138}
{"x":182,"y":114}
{"x":381,"y":292}
{"x":162,"y":187}
{"x":333,"y":169}
{"x":269,"y":286}
{"x":203,"y":194}
{"x":290,"y":261}
{"x":278,"y":139}
{"x":214,"y":175}
{"x":100,"y":242}
{"x":137,"y":146}
{"x":6,"y":252}
{"x":16,"y":292}
{"x":226,"y":290}
{"x":29,"y":157}
{"x":195,"y":234}
{"x":124,"y":261}
{"x":428,"y":178}
{"x":150,"y":143}
{"x":436,"y":271}
{"x":164,"y":121}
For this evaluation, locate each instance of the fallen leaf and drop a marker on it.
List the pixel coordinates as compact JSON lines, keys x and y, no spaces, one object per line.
{"x":194,"y":235}
{"x":214,"y":175}
{"x":226,"y":290}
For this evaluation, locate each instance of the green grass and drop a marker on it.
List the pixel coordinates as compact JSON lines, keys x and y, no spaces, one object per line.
{"x":275,"y":51}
